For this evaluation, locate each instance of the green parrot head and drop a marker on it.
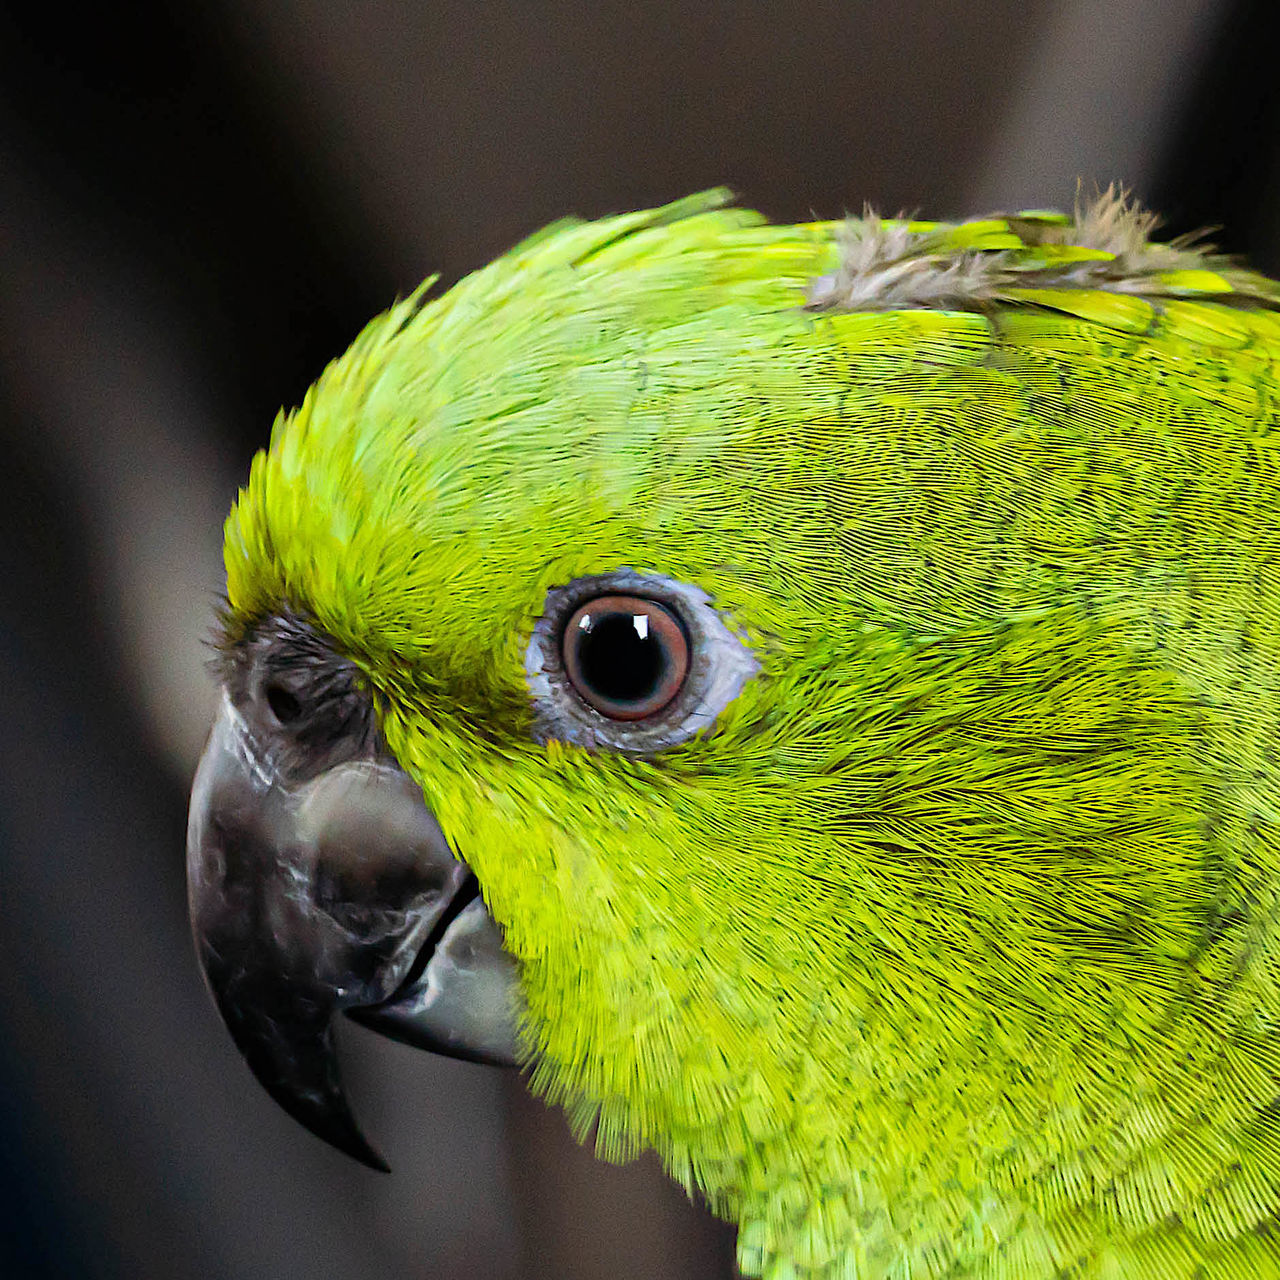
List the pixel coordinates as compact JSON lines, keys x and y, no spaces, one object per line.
{"x":741,"y":676}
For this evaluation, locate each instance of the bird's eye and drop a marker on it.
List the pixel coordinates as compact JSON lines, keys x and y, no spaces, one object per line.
{"x":625,"y":655}
{"x":632,"y":662}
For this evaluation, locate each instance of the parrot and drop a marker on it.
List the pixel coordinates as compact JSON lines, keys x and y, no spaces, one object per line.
{"x":806,"y":695}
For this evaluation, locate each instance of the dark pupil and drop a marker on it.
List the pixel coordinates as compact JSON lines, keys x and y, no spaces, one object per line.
{"x":616,"y":662}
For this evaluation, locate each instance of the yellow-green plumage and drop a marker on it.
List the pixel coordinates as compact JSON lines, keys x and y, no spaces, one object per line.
{"x":952,"y":951}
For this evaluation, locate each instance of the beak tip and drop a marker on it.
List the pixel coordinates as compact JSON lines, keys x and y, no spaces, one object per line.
{"x":327,"y":1116}
{"x":362,"y":1151}
{"x":287,"y":1044}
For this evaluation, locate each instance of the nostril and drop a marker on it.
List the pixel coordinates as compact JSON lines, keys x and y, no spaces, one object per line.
{"x":284,"y":705}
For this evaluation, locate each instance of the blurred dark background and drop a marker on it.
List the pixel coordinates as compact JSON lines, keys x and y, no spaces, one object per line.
{"x":201,"y":204}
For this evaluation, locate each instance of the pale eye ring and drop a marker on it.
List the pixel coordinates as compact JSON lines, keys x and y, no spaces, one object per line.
{"x":632,"y":662}
{"x":624,"y":655}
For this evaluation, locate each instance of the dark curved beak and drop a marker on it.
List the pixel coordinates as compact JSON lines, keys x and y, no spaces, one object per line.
{"x":336,"y":892}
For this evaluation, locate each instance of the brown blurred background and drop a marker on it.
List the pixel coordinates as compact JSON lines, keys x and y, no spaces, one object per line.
{"x":199,"y":205}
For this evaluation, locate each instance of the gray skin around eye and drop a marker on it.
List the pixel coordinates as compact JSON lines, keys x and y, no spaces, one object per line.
{"x":720,"y":664}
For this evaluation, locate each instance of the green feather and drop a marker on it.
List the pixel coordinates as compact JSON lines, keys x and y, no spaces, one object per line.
{"x":952,"y":951}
